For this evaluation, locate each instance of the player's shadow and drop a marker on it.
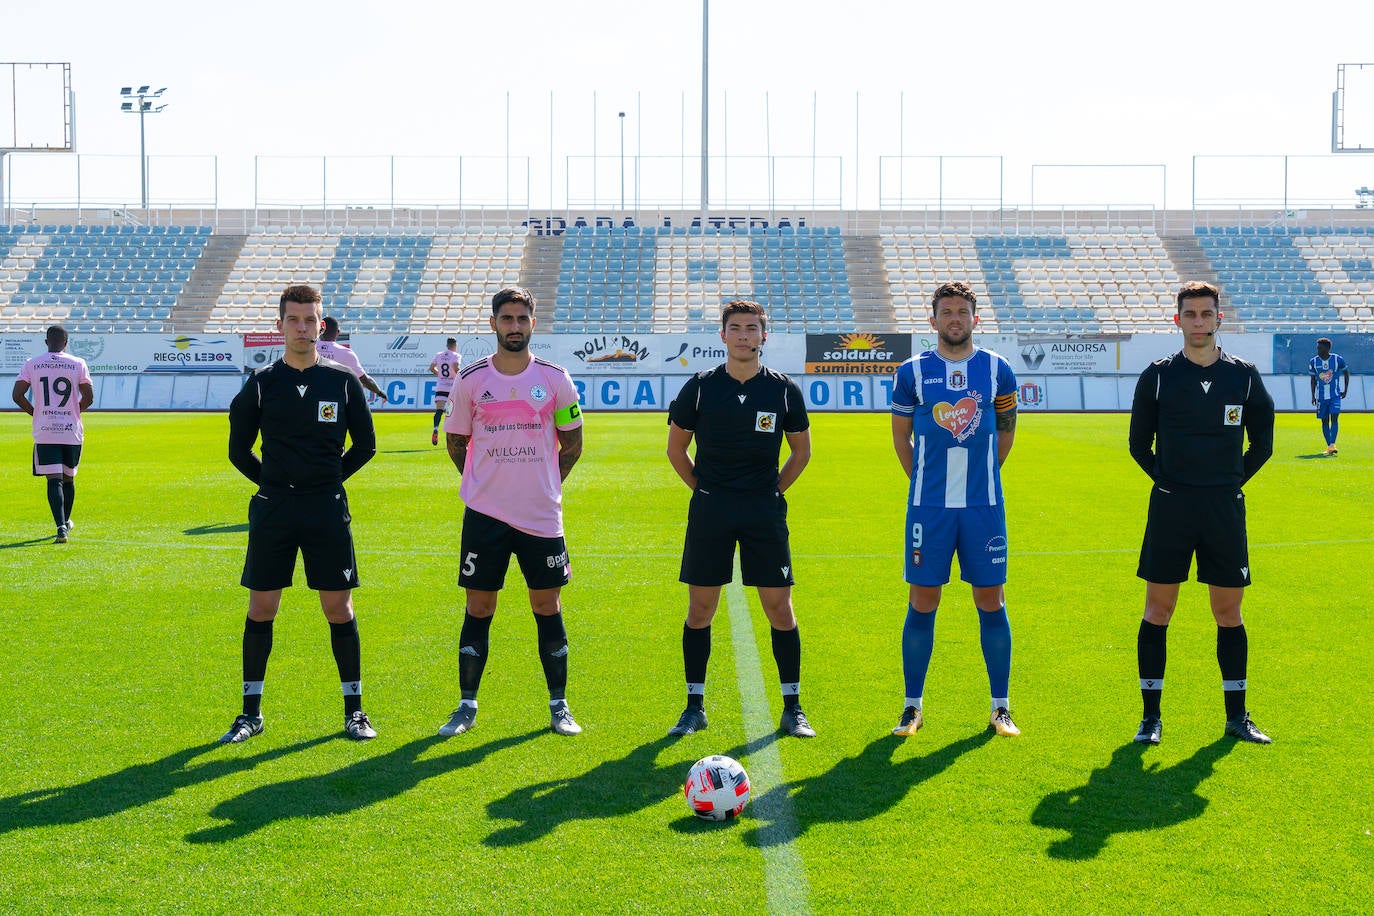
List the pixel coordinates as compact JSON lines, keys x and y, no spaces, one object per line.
{"x":32,"y":542}
{"x":405,"y":451}
{"x":855,"y":789}
{"x":1126,"y":796}
{"x":1312,"y":456}
{"x":612,"y":788}
{"x":131,"y":787}
{"x":356,"y":786}
{"x":216,"y":529}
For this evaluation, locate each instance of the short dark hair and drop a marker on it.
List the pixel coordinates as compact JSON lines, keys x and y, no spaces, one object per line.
{"x":743,"y":307}
{"x":298,"y":292}
{"x":1324,"y":340}
{"x":512,"y":294}
{"x":329,"y":327}
{"x":1197,"y":289}
{"x":959,"y":290}
{"x":56,"y":338}
{"x":452,"y":342}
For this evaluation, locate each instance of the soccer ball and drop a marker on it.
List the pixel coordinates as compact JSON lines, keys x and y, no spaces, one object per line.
{"x":717,"y":788}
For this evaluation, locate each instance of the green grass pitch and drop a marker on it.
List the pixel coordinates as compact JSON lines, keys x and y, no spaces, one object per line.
{"x":121,"y":667}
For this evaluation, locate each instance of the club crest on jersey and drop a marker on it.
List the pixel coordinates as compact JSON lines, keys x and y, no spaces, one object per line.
{"x":1233,"y":414}
{"x":765,"y":422}
{"x":538,"y":392}
{"x":960,"y":418}
{"x":957,"y":380}
{"x":329,"y":412}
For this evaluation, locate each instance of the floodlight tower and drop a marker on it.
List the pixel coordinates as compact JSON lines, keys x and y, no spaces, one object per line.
{"x":622,"y":160}
{"x":140,"y":101}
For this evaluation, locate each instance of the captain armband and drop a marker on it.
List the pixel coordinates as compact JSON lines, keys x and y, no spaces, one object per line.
{"x":1004,"y":402}
{"x":567,"y":414}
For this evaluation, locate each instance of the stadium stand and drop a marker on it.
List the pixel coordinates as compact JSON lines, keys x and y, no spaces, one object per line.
{"x":1103,"y":279}
{"x":1107,"y":282}
{"x":666,"y":279}
{"x":95,"y":278}
{"x":383,"y":281}
{"x":1279,"y":277}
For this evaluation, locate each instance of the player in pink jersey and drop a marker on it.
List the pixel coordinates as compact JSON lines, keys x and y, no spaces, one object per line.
{"x":444,"y":367}
{"x":62,"y":389}
{"x":329,"y":347}
{"x":514,"y":432}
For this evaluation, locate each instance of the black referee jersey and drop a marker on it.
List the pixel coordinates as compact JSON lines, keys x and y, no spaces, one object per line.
{"x":1189,"y":423}
{"x":739,"y":426}
{"x":303,"y":416}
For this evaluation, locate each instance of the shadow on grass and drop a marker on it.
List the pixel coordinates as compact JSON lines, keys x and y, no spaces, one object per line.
{"x":612,"y":788}
{"x":130,"y":788}
{"x":32,"y":542}
{"x":1126,"y":796}
{"x":356,"y":786}
{"x":855,"y":789}
{"x":216,"y":529}
{"x":1310,"y":457}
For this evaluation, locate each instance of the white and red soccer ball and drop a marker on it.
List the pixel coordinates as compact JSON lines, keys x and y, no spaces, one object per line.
{"x":717,"y":788}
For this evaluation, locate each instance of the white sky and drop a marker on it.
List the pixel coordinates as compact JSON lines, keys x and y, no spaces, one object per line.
{"x":1037,"y":84}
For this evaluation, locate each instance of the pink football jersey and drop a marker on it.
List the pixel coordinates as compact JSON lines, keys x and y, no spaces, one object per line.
{"x":340,"y":354}
{"x":55,"y":381}
{"x":511,"y":472}
{"x":445,"y":365}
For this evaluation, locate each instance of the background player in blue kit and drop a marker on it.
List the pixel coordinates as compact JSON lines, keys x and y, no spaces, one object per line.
{"x":953,"y":422}
{"x":1330,"y":382}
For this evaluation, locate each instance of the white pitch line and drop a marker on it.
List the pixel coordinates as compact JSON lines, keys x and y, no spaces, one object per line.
{"x":783,"y":872}
{"x":196,"y":542}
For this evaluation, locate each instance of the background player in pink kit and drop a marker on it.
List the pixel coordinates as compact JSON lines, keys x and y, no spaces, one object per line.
{"x":444,"y":366}
{"x":514,"y":433}
{"x":329,"y":347}
{"x":62,"y":389}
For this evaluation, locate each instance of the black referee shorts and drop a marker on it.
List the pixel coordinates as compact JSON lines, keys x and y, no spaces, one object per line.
{"x":1208,"y":521}
{"x":718,"y":519}
{"x":316,"y":524}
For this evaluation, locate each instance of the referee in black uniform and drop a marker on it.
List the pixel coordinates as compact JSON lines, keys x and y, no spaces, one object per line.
{"x":1190,"y":420}
{"x":304,"y":405}
{"x":739,"y":413}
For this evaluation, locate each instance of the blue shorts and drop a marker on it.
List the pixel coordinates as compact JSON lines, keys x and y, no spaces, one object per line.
{"x":1328,"y":408}
{"x":978,"y":534}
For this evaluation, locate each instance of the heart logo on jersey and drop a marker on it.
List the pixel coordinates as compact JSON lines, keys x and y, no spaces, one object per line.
{"x":957,"y":417}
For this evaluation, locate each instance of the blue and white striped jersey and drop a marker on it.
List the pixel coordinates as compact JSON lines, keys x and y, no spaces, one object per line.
{"x":953,"y":407}
{"x":1327,"y":372}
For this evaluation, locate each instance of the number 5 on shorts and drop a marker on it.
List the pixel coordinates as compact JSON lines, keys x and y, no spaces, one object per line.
{"x":470,"y":563}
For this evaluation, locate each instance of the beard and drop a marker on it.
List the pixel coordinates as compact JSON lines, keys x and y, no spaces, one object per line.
{"x":954,"y":341}
{"x":515,"y":346}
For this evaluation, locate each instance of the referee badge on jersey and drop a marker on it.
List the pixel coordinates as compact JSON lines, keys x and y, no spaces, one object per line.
{"x":329,"y":412}
{"x":765,"y":422}
{"x":1232,"y":414}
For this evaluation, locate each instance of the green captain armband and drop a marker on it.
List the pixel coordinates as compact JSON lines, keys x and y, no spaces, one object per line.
{"x":567,"y":414}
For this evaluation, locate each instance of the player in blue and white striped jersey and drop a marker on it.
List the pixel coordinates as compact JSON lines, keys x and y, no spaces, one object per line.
{"x":1330,"y":378}
{"x":953,"y":422}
